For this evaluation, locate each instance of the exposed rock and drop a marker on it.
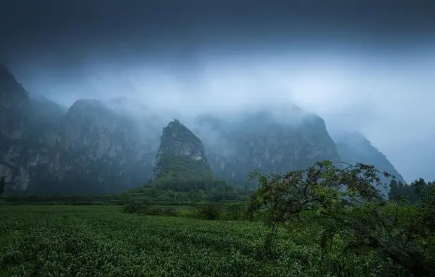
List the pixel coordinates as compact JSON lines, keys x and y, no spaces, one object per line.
{"x":262,"y":141}
{"x":14,"y":105}
{"x":15,"y":131}
{"x":97,"y":147}
{"x":88,"y":149}
{"x":181,"y":154}
{"x":97,"y":150}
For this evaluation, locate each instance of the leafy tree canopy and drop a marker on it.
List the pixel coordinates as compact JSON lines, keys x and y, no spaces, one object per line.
{"x":352,"y":215}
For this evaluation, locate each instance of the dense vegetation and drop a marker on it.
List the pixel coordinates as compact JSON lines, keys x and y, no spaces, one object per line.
{"x":324,"y":221}
{"x":102,"y":241}
{"x":184,"y":168}
{"x":400,"y":190}
{"x":352,"y":217}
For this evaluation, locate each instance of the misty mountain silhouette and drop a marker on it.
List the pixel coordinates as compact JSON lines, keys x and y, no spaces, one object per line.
{"x":100,"y":146}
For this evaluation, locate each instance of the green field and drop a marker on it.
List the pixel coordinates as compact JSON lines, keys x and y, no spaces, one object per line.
{"x":103,"y":241}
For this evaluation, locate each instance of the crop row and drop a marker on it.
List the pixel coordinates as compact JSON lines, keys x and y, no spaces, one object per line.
{"x":103,"y":241}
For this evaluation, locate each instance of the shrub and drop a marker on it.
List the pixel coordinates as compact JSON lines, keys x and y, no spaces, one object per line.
{"x":131,"y":208}
{"x":169,"y":211}
{"x":210,"y":211}
{"x":235,"y":211}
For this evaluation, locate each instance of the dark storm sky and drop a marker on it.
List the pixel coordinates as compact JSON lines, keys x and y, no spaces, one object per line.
{"x":131,"y":28}
{"x":364,"y":65}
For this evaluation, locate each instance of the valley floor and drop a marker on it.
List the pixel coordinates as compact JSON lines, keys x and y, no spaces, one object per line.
{"x":103,"y":241}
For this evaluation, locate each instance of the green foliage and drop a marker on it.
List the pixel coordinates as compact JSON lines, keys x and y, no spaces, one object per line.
{"x":182,"y":168}
{"x":417,"y":192}
{"x":18,"y":199}
{"x":103,"y":241}
{"x":322,"y":187}
{"x":400,"y":192}
{"x":156,"y":210}
{"x":353,"y":217}
{"x":205,"y":211}
{"x":75,"y":241}
{"x":196,"y":191}
{"x":210,"y":211}
{"x":150,"y":194}
{"x":181,"y":179}
{"x":235,"y":211}
{"x":131,"y":208}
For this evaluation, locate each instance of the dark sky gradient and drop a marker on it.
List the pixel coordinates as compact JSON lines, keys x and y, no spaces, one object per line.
{"x":363,"y":65}
{"x":139,"y":27}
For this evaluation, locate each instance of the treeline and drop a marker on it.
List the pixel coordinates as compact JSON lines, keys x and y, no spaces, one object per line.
{"x":179,"y":190}
{"x":166,"y":191}
{"x":23,"y":199}
{"x":410,"y":193}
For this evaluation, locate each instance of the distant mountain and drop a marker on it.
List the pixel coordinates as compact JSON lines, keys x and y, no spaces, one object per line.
{"x":266,"y":142}
{"x":355,"y":148}
{"x":17,"y":134}
{"x":97,"y":150}
{"x":108,"y":146}
{"x":88,"y":148}
{"x":14,"y":106}
{"x":45,"y":110}
{"x":181,"y":155}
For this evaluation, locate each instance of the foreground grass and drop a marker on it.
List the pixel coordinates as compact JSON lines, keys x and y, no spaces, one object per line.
{"x":103,"y":241}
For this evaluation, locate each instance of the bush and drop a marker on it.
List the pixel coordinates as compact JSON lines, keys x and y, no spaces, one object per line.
{"x":148,"y":210}
{"x":210,"y":211}
{"x":131,"y":208}
{"x":235,"y":211}
{"x":169,"y":211}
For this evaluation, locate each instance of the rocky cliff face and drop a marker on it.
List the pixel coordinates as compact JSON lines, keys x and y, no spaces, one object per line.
{"x":97,"y":147}
{"x":97,"y":150}
{"x":262,"y":141}
{"x":16,"y":132}
{"x":355,"y":148}
{"x":181,"y":154}
{"x":88,"y":149}
{"x":14,"y":105}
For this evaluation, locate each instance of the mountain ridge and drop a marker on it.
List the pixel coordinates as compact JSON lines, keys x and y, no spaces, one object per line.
{"x":99,"y":146}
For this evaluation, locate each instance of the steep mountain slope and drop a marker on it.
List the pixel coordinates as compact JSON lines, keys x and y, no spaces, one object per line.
{"x":355,"y":148}
{"x":46,"y":111}
{"x":14,"y":105}
{"x":266,"y":142}
{"x":181,"y":155}
{"x":97,"y":147}
{"x":96,"y":151}
{"x":18,"y":137}
{"x":88,"y":149}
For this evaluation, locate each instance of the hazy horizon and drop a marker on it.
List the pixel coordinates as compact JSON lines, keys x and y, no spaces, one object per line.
{"x":361,"y":67}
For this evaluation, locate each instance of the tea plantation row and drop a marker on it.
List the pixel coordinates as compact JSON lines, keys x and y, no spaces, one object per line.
{"x":103,"y":241}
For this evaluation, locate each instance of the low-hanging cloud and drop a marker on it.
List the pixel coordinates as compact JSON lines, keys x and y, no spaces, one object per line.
{"x":387,"y":98}
{"x":360,"y":65}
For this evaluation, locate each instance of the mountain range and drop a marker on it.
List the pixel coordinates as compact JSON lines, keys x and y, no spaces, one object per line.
{"x":97,"y":146}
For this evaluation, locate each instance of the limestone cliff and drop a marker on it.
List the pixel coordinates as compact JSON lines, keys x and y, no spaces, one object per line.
{"x":181,"y":155}
{"x":97,"y":151}
{"x":265,"y":142}
{"x":17,"y":134}
{"x":97,"y":147}
{"x":88,"y":148}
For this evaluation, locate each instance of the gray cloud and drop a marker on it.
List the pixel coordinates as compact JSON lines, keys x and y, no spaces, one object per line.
{"x":389,"y":99}
{"x":361,"y":65}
